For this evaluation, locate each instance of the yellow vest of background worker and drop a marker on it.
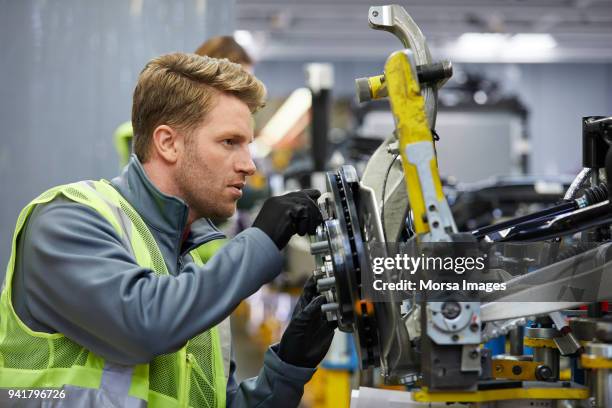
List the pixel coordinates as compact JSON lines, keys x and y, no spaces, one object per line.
{"x":73,"y":376}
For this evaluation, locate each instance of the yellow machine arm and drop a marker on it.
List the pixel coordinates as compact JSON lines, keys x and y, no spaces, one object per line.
{"x":431,"y":213}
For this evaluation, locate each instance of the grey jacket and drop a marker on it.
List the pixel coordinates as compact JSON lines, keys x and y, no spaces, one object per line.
{"x":74,"y":276}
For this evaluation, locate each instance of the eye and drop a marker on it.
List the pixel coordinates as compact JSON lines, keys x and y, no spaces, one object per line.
{"x":229,"y":142}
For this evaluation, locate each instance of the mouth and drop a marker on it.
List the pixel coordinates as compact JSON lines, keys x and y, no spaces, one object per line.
{"x":236,"y":189}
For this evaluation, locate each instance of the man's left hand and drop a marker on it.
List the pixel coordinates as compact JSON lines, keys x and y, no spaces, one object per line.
{"x":309,"y":335}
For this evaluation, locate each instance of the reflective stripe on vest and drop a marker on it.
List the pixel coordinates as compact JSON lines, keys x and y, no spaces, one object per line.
{"x":193,"y":376}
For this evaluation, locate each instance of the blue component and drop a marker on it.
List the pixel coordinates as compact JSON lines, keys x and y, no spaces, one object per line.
{"x":528,"y":351}
{"x":496,"y":345}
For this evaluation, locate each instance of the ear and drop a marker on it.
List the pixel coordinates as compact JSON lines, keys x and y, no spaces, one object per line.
{"x":167,"y":143}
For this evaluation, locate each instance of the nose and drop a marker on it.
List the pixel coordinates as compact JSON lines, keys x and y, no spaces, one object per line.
{"x":245,"y":164}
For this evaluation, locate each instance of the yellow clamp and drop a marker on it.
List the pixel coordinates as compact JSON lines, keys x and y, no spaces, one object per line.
{"x":502,"y":394}
{"x":514,"y":369}
{"x":377,"y":86}
{"x":595,"y":362}
{"x":538,"y":342}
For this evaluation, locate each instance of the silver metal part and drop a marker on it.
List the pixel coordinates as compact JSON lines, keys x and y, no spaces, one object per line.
{"x":394,"y":201}
{"x":372,"y":225}
{"x":550,"y":359}
{"x":463,"y":329}
{"x":319,"y":247}
{"x":515,"y":338}
{"x":580,"y":179}
{"x":330,"y":307}
{"x":324,"y":203}
{"x":326,"y":283}
{"x":603,"y":388}
{"x":558,"y":319}
{"x":501,"y":328}
{"x":396,"y":20}
{"x":396,"y":354}
{"x":393,"y":148}
{"x":599,"y":350}
{"x":362,"y":89}
{"x":588,"y":270}
{"x":603,"y":331}
{"x":541,"y":332}
{"x":409,"y":379}
{"x":439,"y":216}
{"x":470,"y":358}
{"x":602,"y":378}
{"x":567,"y":344}
{"x":511,"y":310}
{"x":583,"y":328}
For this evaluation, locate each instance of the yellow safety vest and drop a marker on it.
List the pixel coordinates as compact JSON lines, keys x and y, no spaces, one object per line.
{"x":194,"y":376}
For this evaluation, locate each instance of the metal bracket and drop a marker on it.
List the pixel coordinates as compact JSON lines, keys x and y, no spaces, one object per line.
{"x":439,"y":216}
{"x":464,"y":328}
{"x":395,"y":19}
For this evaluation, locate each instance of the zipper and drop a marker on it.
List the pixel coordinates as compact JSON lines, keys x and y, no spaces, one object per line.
{"x":186,"y":386}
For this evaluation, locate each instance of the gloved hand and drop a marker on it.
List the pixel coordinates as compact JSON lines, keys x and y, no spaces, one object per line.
{"x":309,"y":335}
{"x":282,"y":216}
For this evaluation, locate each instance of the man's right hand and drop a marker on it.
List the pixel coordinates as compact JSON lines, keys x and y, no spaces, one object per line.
{"x":293,"y":213}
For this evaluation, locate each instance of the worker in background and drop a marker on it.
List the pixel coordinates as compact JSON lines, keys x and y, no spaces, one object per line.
{"x":106,"y":303}
{"x":226,"y":47}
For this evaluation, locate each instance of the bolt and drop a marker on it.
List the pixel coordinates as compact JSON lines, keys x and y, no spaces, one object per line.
{"x":499,"y":368}
{"x":432,"y":207}
{"x":435,"y":224}
{"x":517,"y":370}
{"x":455,"y":337}
{"x":326,"y":284}
{"x":375,"y":13}
{"x":451,"y":310}
{"x":330,"y":307}
{"x":474,"y":354}
{"x":544,"y":373}
{"x":409,"y":379}
{"x":319,"y":247}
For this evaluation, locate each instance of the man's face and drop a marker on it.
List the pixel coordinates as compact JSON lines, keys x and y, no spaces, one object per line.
{"x":212,"y":171}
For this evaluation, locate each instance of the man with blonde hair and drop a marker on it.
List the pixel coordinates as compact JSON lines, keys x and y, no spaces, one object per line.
{"x":106,"y":303}
{"x":216,"y":47}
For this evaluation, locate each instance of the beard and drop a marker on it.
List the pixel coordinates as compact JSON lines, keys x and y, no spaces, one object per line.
{"x":196,"y":184}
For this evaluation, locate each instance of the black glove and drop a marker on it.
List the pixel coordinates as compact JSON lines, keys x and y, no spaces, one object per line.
{"x":309,"y":335}
{"x":282,"y":216}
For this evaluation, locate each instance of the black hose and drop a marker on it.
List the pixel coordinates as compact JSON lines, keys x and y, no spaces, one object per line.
{"x":596,"y":194}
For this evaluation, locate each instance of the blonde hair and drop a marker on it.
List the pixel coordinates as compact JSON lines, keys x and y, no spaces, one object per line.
{"x":179,"y":90}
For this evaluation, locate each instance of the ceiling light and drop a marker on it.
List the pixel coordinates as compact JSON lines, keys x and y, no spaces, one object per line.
{"x":497,"y":47}
{"x":533,"y":41}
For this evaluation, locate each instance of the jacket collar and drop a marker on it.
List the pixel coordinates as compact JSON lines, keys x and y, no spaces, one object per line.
{"x":165,"y":215}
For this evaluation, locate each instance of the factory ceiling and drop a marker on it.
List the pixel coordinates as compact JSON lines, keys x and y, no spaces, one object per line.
{"x":465,"y":31}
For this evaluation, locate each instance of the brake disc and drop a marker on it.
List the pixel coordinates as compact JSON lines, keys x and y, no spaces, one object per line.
{"x":341,"y":264}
